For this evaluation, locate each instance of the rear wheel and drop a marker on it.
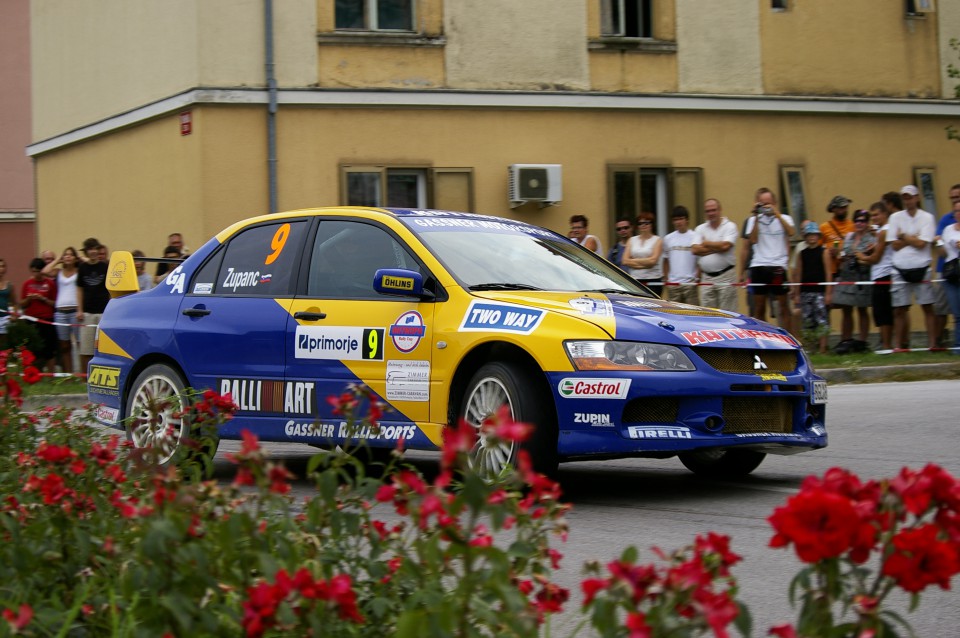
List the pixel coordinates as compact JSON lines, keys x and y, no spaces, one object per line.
{"x":153,"y":415}
{"x":722,"y":463}
{"x":503,"y":383}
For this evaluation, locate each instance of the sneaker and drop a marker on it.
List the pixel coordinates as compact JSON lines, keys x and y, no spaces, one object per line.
{"x":859,"y":346}
{"x":844,"y":346}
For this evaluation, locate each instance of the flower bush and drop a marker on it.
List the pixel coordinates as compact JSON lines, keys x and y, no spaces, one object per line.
{"x":98,"y":540}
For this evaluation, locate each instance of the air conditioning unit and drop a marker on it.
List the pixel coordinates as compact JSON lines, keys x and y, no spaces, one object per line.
{"x":535,"y":183}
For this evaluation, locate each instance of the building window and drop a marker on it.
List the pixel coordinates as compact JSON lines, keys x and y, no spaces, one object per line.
{"x":924,"y":177}
{"x":794,"y":192}
{"x":919,"y":7}
{"x":778,"y":5}
{"x":407,"y":187}
{"x":626,"y":18}
{"x":374,"y":15}
{"x":652,"y":189}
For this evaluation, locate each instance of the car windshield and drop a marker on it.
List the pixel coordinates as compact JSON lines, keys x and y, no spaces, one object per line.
{"x":492,"y":260}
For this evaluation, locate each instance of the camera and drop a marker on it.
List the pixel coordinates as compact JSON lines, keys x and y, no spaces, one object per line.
{"x":757,"y":209}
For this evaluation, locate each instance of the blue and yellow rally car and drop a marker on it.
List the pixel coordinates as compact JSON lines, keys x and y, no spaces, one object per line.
{"x":446,"y":315}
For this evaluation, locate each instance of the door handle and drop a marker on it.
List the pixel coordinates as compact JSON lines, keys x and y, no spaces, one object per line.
{"x":196,"y":312}
{"x":310,"y":316}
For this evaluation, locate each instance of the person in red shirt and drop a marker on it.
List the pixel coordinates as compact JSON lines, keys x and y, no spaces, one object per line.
{"x":37,"y":299}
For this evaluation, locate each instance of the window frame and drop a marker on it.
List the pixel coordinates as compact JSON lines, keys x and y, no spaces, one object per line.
{"x":427,"y":187}
{"x":925,"y":179}
{"x":644,"y":19}
{"x":789,"y":191}
{"x":371,"y":18}
{"x":670,"y":177}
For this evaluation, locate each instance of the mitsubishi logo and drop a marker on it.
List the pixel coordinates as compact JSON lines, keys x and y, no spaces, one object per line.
{"x":758,"y":364}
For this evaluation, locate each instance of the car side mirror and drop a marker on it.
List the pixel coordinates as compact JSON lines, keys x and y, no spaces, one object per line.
{"x":400,"y":282}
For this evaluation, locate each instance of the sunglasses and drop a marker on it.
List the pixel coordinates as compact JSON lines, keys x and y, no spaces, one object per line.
{"x":623,"y":228}
{"x":644,"y":222}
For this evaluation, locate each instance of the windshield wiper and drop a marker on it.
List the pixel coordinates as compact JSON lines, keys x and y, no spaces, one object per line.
{"x":616,"y":291}
{"x":503,"y":286}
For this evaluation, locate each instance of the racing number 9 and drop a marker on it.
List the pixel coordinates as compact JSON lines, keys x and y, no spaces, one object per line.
{"x":373,"y":344}
{"x":277,"y":243}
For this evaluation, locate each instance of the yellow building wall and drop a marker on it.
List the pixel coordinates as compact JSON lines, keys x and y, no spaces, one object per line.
{"x":357,"y":67}
{"x":505,"y":44}
{"x":94,"y":60}
{"x":854,"y":47}
{"x":718,"y":50}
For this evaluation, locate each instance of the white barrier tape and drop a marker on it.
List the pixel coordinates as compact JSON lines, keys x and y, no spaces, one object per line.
{"x":53,"y":323}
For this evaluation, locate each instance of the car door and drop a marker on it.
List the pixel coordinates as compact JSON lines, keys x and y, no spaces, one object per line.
{"x":342,"y":332}
{"x":232,"y":324}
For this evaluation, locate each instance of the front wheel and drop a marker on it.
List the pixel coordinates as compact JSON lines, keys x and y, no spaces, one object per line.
{"x":154,"y":418}
{"x":722,"y":464}
{"x":507,"y":384}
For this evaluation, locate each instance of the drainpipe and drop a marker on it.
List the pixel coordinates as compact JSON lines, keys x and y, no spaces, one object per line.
{"x":272,"y":104}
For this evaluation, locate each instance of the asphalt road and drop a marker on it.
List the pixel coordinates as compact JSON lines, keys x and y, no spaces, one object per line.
{"x":874,"y":431}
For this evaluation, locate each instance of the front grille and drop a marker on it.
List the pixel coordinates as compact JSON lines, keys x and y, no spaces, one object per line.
{"x":757,"y":414}
{"x":652,"y":410}
{"x":741,"y":361}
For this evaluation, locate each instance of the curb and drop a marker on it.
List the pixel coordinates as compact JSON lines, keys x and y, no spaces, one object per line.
{"x":870,"y":373}
{"x":72,"y":401}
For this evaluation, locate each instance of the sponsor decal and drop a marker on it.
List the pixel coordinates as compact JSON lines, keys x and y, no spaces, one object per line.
{"x":176,"y":280}
{"x":344,"y":430}
{"x":339,"y":342}
{"x":597,"y":307}
{"x":698,"y":337}
{"x":119,"y":270}
{"x":753,"y":435}
{"x":318,"y":429}
{"x":452,"y":220}
{"x":408,"y":380}
{"x":407,"y":331}
{"x":397,"y":283}
{"x":658,"y":432}
{"x":819,"y":395}
{"x":490,"y":316}
{"x":265,"y":279}
{"x":758,"y":363}
{"x":818,"y":430}
{"x":202,"y":289}
{"x":264,"y":395}
{"x":573,"y":388}
{"x":242,"y":279}
{"x":594,"y":419}
{"x":104,"y":379}
{"x":773,"y":376}
{"x":105,"y":414}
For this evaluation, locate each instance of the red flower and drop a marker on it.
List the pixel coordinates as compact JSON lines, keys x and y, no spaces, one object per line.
{"x":637,"y":624}
{"x":26,"y":357}
{"x":20,"y":619}
{"x":280,"y":479}
{"x":783,"y":631}
{"x":30,"y":375}
{"x":457,"y":441}
{"x":591,"y":587}
{"x":920,"y":558}
{"x":820,"y":525}
{"x":251,"y":444}
{"x":55,"y":453}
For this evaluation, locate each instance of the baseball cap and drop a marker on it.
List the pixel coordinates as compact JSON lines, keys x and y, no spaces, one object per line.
{"x":811,"y":228}
{"x":90,"y":243}
{"x":838,"y":202}
{"x":861,"y":214}
{"x":909,"y":189}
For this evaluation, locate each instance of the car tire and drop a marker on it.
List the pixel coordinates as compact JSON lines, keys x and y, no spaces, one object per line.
{"x":723,"y":464}
{"x":156,"y":397}
{"x":505,"y":383}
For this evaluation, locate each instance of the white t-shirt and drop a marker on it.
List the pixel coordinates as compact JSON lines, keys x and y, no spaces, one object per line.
{"x":682,"y":262}
{"x":725,"y":231}
{"x":639,"y":249}
{"x":771,"y":248}
{"x":922,"y":224}
{"x":884,"y":267}
{"x":950,"y":236}
{"x":599,"y":249}
{"x":66,"y":290}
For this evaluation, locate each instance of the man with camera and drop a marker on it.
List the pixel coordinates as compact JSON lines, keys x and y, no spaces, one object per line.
{"x":769,"y":231}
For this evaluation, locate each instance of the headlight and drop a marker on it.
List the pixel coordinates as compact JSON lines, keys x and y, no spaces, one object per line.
{"x":627,"y":355}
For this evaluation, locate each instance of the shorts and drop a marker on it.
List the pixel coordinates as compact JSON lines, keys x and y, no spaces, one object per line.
{"x":903,"y":293}
{"x":882,"y":303}
{"x":88,"y":334}
{"x":940,"y":305}
{"x":813,"y":309}
{"x":64,"y":330}
{"x":656,"y":285}
{"x":772,"y":276}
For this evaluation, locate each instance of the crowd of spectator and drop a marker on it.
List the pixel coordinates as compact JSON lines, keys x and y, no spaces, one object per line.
{"x":878,"y":260}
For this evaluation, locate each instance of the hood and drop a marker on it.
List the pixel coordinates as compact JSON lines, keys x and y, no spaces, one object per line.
{"x":635,"y":318}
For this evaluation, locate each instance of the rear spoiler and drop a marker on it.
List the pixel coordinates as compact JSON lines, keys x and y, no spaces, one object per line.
{"x":122,"y":274}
